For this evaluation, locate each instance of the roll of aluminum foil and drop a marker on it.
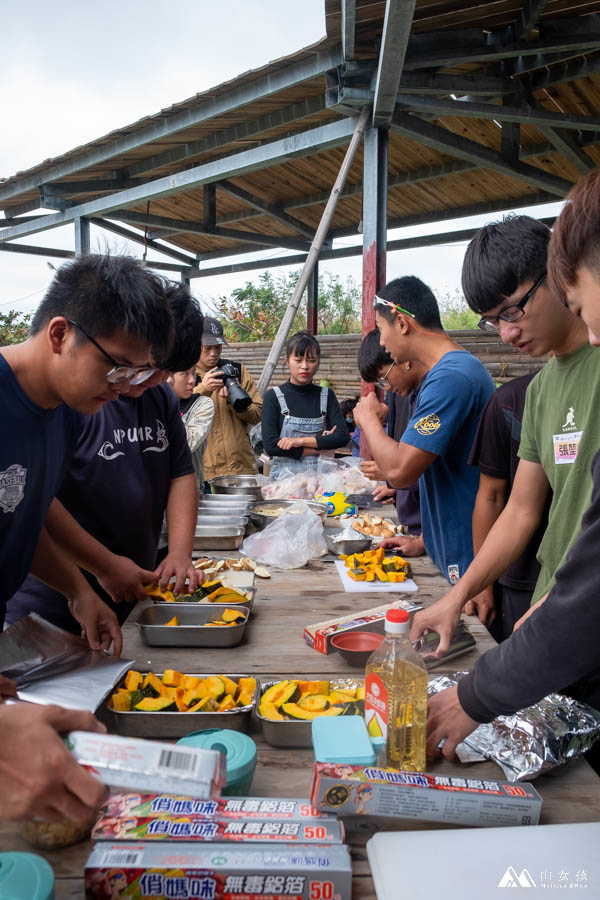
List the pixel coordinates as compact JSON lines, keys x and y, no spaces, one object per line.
{"x":533,"y":740}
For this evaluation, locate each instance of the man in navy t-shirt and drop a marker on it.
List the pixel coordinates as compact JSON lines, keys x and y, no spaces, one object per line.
{"x":131,"y":464}
{"x":439,"y":435}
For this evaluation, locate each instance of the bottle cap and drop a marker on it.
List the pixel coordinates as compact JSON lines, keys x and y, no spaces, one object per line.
{"x":397,"y":621}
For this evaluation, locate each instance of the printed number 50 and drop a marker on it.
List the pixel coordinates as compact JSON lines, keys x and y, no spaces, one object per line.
{"x":321,"y":890}
{"x":315,"y":832}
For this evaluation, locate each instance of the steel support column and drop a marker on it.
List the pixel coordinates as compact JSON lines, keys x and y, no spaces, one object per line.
{"x":374,"y":235}
{"x":312,"y":312}
{"x":82,"y":236}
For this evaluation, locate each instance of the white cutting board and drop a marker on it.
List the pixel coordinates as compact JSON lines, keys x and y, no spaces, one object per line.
{"x":360,"y":587}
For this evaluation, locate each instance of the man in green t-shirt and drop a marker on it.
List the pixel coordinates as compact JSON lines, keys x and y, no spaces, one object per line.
{"x":507,"y":283}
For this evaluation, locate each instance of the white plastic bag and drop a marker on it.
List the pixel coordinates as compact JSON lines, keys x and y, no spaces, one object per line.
{"x":289,"y":541}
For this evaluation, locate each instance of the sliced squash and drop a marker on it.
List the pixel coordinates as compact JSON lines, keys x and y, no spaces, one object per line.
{"x":296,"y":712}
{"x":121,"y":701}
{"x":245,"y":698}
{"x":156,"y":704}
{"x":231,"y":687}
{"x":233,"y":615}
{"x":247,"y":684}
{"x":173,"y":621}
{"x":270,"y":711}
{"x":172,"y":678}
{"x":360,"y":692}
{"x":314,"y":687}
{"x":215,"y":686}
{"x":179,"y":702}
{"x":200,"y":705}
{"x":282,"y":692}
{"x":226,"y":703}
{"x":153,"y":684}
{"x":314,"y":702}
{"x":133,"y":680}
{"x":189,"y":681}
{"x":194,"y":694}
{"x":341,"y":697}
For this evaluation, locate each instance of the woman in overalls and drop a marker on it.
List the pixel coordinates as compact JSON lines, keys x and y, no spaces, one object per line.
{"x":299,"y":419}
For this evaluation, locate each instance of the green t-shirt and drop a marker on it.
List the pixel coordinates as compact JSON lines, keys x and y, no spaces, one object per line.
{"x":561,"y":432}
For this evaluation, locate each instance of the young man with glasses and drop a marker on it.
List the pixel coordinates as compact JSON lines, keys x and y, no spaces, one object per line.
{"x":131,"y":464}
{"x":503,"y":264}
{"x":557,"y":645}
{"x":46,"y":382}
{"x":439,"y":435}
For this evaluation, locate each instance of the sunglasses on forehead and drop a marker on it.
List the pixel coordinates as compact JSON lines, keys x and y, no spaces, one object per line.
{"x":379,"y":301}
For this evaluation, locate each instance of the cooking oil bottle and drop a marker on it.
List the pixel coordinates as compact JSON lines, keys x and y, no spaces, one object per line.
{"x":396,"y":695}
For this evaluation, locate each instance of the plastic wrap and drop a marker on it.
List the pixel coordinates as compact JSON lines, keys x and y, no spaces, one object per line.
{"x":533,"y":740}
{"x":290,"y":540}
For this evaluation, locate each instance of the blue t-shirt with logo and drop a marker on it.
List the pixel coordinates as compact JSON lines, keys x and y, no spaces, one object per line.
{"x":116,"y":487}
{"x":452,"y":397}
{"x":35,"y":450}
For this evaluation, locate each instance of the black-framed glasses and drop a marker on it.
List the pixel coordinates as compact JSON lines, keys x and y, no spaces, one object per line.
{"x":511,"y":313}
{"x":382,"y":382}
{"x":119,"y":373}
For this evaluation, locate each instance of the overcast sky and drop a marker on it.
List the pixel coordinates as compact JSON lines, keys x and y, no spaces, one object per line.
{"x":74,"y":71}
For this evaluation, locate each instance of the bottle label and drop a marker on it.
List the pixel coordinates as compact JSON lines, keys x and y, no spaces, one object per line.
{"x":376,"y":706}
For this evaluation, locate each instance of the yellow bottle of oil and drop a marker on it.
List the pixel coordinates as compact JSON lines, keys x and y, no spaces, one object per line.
{"x":396,"y":695}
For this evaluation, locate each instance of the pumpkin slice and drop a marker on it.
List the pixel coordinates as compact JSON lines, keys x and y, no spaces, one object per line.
{"x":156,"y":704}
{"x":245,"y":698}
{"x":172,"y":678}
{"x":189,"y":681}
{"x":296,"y":712}
{"x":200,"y":705}
{"x":341,"y":697}
{"x":360,"y":692}
{"x":226,"y":703}
{"x":282,"y":692}
{"x":233,"y":615}
{"x":153,"y":684}
{"x":194,"y":694}
{"x":133,"y":680}
{"x":314,"y":687}
{"x":121,"y":701}
{"x":270,"y":711}
{"x":314,"y":702}
{"x":215,"y":686}
{"x":248,"y":684}
{"x":231,"y":687}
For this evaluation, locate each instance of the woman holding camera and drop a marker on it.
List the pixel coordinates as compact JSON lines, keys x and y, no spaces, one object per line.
{"x":299,"y":419}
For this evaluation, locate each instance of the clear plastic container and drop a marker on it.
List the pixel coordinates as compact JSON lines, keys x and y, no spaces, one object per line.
{"x":396,"y":696}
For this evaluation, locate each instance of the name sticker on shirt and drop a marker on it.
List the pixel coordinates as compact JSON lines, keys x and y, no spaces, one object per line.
{"x":566,"y":447}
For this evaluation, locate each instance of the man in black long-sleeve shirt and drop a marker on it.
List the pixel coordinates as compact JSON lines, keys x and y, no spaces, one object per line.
{"x":557,"y":645}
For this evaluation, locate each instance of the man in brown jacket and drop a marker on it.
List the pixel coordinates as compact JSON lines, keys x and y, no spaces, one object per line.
{"x":228,"y":451}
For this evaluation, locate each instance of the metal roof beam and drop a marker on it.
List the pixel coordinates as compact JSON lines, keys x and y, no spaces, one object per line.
{"x":439,"y":85}
{"x":269,"y":209}
{"x":565,"y":143}
{"x":521,"y":115}
{"x":568,"y":71}
{"x":138,"y":238}
{"x":55,"y":253}
{"x":275,"y":153}
{"x":168,"y":126}
{"x":182,"y":226}
{"x":394,"y":41}
{"x":348,"y":28}
{"x":447,"y":142}
{"x":25,"y":207}
{"x":91,"y":186}
{"x":528,"y":17}
{"x":564,"y":35}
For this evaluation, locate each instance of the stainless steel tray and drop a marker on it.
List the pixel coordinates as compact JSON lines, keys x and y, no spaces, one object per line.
{"x":179,"y":604}
{"x":346,"y":547}
{"x":225,"y":499}
{"x":208,"y":538}
{"x":218,"y":522}
{"x":261,"y":520}
{"x":236,"y":484}
{"x":216,"y":510}
{"x":462,"y":641}
{"x":192,"y":630}
{"x":295,"y":733}
{"x":177,"y":724}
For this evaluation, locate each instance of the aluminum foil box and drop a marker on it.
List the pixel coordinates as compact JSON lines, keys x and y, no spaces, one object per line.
{"x":156,"y":806}
{"x":368,"y":790}
{"x":186,"y":828}
{"x":132,"y":763}
{"x":319,"y":635}
{"x":218,"y":871}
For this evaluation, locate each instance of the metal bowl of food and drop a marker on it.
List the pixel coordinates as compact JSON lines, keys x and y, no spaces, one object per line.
{"x":266,"y":511}
{"x":236,"y":484}
{"x":346,"y":546}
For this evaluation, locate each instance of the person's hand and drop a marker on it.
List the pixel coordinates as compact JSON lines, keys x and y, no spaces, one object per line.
{"x":405,"y":544}
{"x":384,"y":494}
{"x":367,"y":407}
{"x":446,"y":719}
{"x":7,"y":688}
{"x":124,"y":580}
{"x":287,"y":443}
{"x":180,"y":567}
{"x":442,"y":617}
{"x":371,"y":470}
{"x":223,"y":392}
{"x":99,"y":625}
{"x":530,"y":611}
{"x":38,"y":775}
{"x":213,"y":380}
{"x":482,"y":606}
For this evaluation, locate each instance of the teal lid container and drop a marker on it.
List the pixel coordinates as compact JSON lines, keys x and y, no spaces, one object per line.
{"x":342,"y":739}
{"x":240,"y":751}
{"x":25,"y":876}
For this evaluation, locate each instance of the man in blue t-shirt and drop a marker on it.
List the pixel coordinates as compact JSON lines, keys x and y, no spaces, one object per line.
{"x":438,"y":438}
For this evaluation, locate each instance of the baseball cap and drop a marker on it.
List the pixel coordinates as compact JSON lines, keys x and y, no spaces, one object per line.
{"x":212,"y":333}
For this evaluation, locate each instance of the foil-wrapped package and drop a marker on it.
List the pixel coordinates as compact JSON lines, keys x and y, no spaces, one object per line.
{"x":533,"y":740}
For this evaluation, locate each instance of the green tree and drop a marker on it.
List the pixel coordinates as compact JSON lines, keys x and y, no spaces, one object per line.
{"x":454,"y":312}
{"x":254,"y":311}
{"x":14,"y":327}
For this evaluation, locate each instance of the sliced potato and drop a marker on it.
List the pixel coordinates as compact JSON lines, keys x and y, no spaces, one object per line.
{"x":251,"y":564}
{"x":261,"y":572}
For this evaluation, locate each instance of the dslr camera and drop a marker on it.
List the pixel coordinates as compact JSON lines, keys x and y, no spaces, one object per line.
{"x":238,"y":397}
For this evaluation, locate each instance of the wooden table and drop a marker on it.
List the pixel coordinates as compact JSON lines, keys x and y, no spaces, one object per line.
{"x":274,"y":647}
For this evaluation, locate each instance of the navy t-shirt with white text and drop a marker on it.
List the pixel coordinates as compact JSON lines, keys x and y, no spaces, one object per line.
{"x":452,"y":397}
